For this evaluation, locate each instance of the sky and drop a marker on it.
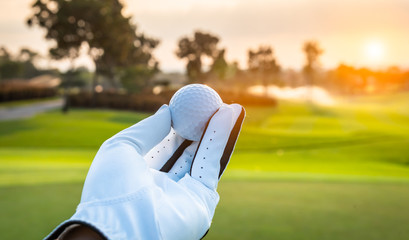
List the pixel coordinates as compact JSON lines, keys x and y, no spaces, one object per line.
{"x":371,"y":33}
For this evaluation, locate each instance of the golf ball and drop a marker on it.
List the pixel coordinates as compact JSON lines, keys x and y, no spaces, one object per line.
{"x":191,"y":107}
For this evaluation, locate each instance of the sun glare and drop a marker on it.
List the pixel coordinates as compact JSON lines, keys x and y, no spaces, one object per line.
{"x":375,"y":51}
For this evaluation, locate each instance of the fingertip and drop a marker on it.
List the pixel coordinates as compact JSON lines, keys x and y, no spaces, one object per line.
{"x":217,"y":144}
{"x":225,"y":110}
{"x":238,"y":109}
{"x":163,"y":108}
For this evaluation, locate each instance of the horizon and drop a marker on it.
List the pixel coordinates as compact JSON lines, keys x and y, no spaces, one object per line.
{"x":362,"y":33}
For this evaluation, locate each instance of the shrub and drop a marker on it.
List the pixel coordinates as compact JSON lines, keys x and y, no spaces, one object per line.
{"x":147,"y":101}
{"x":15,"y":90}
{"x":137,"y":102}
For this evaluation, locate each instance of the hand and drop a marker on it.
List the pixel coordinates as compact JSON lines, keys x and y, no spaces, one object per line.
{"x":146,"y":182}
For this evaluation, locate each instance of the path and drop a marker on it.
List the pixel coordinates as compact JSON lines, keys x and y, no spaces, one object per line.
{"x":29,"y":110}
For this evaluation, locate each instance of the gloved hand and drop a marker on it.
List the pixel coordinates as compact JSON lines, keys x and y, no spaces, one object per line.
{"x":146,"y":182}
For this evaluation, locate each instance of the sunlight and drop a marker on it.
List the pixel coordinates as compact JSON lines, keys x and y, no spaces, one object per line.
{"x":375,"y":50}
{"x":315,"y":94}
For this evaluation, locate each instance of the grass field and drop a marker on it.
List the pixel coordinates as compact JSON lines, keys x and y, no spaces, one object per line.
{"x":298,"y":172}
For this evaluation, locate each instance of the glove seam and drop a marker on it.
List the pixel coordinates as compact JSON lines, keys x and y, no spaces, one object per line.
{"x":117,"y":200}
{"x":121,"y":139}
{"x":213,"y":193}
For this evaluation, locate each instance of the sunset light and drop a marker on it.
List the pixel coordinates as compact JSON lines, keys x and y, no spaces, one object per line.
{"x":131,"y":110}
{"x":375,"y":51}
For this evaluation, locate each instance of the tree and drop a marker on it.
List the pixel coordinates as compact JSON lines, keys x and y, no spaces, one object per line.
{"x":27,"y":54}
{"x":134,"y":78}
{"x":80,"y":77}
{"x":27,"y":58}
{"x":219,"y":66}
{"x":111,"y":38}
{"x":18,"y":66}
{"x":312,"y":52}
{"x":263,"y":64}
{"x":8,"y":67}
{"x":194,"y":49}
{"x":4,"y":54}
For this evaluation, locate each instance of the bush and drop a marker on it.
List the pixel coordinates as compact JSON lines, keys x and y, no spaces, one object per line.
{"x":147,"y":101}
{"x":137,"y":102}
{"x":14,"y":90}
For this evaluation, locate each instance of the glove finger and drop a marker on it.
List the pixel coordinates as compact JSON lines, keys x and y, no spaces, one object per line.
{"x":238,"y":117}
{"x":147,"y":133}
{"x":217,"y":145}
{"x":163,"y":156}
{"x":119,"y":168}
{"x":183,"y":163}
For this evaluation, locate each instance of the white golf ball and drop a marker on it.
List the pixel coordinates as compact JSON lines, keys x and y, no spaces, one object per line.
{"x":191,"y":108}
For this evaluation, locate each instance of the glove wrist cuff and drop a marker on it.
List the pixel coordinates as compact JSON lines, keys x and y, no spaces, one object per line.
{"x":70,"y":229}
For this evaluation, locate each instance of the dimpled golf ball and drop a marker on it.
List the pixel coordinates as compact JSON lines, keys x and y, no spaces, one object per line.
{"x":191,"y":108}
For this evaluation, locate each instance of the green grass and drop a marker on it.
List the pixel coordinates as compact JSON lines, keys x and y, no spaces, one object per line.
{"x":32,"y":211}
{"x":298,"y":171}
{"x":41,"y":166}
{"x":78,"y":129}
{"x":305,"y":210}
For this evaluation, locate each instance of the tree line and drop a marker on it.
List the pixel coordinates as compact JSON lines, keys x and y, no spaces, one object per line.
{"x":123,"y":55}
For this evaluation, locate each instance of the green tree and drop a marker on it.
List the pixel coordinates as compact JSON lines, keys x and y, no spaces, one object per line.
{"x":112,"y":39}
{"x":80,"y":77}
{"x":312,"y":51}
{"x":134,"y":78}
{"x":8,"y":67}
{"x":27,"y":57}
{"x":4,"y":54}
{"x":194,"y":49}
{"x":219,"y":66}
{"x":18,"y":66}
{"x":263,"y":64}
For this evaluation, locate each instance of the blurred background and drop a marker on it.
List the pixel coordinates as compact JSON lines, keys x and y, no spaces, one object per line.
{"x":324,"y":150}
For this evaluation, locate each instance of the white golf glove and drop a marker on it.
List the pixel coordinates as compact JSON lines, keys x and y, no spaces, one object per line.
{"x":146,"y":182}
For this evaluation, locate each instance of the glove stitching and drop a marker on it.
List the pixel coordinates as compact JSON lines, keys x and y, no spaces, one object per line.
{"x":118,"y":200}
{"x":201,"y":139}
{"x":190,"y":180}
{"x":126,"y":140}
